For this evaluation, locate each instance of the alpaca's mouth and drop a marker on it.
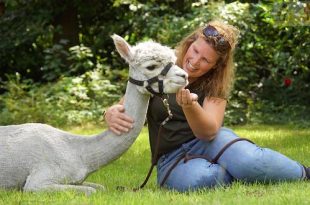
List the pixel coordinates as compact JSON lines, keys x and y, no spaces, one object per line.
{"x":182,"y":81}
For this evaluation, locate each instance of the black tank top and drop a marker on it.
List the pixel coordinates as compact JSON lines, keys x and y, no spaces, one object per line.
{"x":175,"y":132}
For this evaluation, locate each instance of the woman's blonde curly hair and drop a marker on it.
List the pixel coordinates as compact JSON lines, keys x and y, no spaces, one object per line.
{"x":218,"y":81}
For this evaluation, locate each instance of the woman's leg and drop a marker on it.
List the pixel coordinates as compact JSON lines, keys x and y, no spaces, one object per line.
{"x":193,"y":174}
{"x":242,"y":160}
{"x":248,"y":162}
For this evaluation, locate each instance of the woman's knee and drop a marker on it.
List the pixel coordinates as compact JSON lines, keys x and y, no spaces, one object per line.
{"x":196,"y":174}
{"x":227,"y":133}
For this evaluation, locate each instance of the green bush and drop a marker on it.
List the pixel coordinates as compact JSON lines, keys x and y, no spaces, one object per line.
{"x":71,"y":100}
{"x":272,"y":61}
{"x":272,"y":58}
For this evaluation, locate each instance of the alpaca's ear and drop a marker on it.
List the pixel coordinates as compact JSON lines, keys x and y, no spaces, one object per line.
{"x":123,"y":48}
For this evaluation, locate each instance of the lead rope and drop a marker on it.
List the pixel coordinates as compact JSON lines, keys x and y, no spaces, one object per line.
{"x":154,"y":157}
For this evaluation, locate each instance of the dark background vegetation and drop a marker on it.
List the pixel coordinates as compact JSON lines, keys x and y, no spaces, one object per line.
{"x":58,"y":64}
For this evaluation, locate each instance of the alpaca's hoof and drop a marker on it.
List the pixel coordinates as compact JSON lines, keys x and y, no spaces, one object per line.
{"x":98,"y":187}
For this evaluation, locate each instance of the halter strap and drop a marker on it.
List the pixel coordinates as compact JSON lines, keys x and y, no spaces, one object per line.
{"x":153,"y":80}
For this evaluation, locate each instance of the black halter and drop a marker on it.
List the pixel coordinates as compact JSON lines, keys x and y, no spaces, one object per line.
{"x":154,"y":80}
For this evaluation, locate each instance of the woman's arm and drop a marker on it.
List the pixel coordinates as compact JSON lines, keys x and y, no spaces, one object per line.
{"x":205,"y":120}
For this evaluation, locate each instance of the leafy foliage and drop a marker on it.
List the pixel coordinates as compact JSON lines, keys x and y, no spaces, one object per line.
{"x":269,"y":55}
{"x":272,"y":59}
{"x":71,"y":100}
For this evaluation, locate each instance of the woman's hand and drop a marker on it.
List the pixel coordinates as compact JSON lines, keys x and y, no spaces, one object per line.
{"x":185,"y":98}
{"x":118,"y":122}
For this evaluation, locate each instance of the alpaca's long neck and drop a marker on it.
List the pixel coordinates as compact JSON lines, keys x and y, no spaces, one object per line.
{"x":101,"y":149}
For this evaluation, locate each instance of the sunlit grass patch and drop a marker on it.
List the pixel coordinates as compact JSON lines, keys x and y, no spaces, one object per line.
{"x":131,"y":168}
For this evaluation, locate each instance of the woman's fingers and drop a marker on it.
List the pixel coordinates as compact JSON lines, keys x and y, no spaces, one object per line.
{"x":115,"y":131}
{"x":194,"y":97}
{"x":118,"y":122}
{"x":184,"y":97}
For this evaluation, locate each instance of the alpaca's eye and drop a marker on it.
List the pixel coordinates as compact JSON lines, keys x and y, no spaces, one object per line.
{"x":151,"y":67}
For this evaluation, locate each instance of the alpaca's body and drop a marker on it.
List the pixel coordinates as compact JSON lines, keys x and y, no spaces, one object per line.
{"x":66,"y":157}
{"x":40,"y":157}
{"x":38,"y":146}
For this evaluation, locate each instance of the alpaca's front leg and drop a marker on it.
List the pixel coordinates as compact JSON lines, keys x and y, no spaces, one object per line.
{"x":94,"y":185}
{"x":87,"y":190}
{"x":46,"y":179}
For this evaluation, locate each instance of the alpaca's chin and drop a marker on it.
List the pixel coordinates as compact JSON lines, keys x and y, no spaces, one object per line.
{"x":175,"y":87}
{"x":172,"y":90}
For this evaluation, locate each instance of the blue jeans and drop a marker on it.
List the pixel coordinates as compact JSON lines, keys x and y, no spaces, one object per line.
{"x":242,"y":161}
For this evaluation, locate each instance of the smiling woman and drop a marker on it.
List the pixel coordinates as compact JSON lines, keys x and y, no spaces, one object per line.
{"x":199,"y":59}
{"x":192,"y":150}
{"x":215,"y":45}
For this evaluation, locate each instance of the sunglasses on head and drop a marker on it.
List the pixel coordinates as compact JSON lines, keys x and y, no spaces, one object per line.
{"x":222,"y":44}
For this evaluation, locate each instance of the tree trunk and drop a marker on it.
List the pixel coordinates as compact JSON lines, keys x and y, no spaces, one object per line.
{"x":68,"y":22}
{"x":2,"y":8}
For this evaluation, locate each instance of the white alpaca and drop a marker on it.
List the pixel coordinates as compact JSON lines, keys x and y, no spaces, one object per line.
{"x":35,"y":157}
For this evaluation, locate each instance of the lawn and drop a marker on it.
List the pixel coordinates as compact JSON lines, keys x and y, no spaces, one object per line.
{"x":131,"y":169}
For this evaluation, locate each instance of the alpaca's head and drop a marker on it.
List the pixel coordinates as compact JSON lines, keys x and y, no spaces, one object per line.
{"x":147,"y":60}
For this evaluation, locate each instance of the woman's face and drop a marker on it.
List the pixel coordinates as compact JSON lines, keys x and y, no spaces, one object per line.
{"x":199,"y":59}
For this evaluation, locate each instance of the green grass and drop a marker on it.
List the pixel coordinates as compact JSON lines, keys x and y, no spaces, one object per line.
{"x":131,"y":169}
